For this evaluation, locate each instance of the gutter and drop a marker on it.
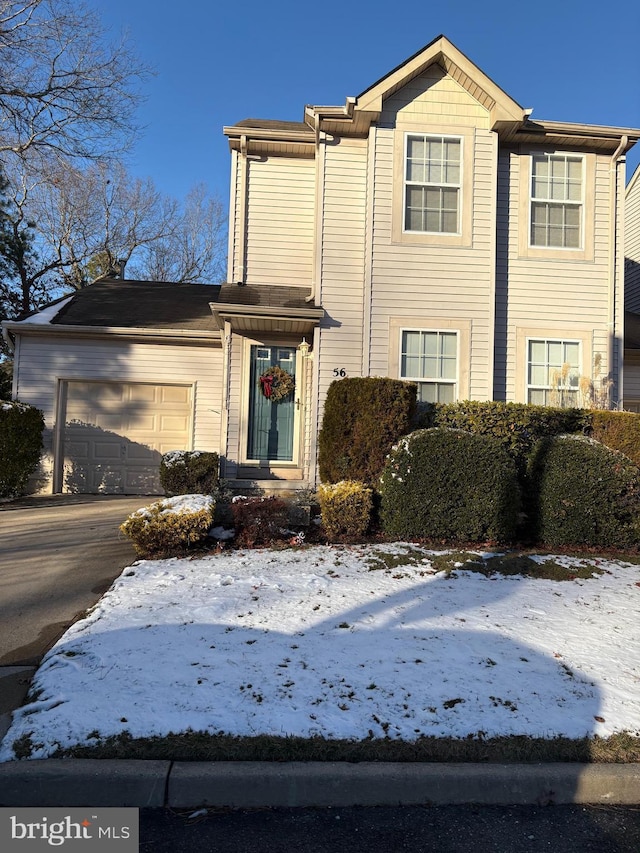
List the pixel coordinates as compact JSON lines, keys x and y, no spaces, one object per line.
{"x":613,"y":260}
{"x":181,"y":335}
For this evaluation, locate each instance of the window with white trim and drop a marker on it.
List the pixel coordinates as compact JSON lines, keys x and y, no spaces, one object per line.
{"x":430,"y":358}
{"x":557,"y":201}
{"x":432,"y":185}
{"x":553,"y":372}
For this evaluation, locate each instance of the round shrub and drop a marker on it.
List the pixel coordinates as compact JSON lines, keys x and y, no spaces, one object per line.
{"x":345,"y":508}
{"x":450,"y":485}
{"x":189,"y":472}
{"x":584,"y":494}
{"x":172,"y":524}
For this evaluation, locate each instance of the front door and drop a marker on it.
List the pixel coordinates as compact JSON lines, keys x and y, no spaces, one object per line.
{"x":272,"y":421}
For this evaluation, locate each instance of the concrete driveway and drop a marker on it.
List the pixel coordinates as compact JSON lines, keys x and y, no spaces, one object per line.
{"x":58,"y":555}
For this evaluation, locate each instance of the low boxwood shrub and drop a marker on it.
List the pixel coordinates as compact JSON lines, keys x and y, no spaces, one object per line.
{"x":169,"y":525}
{"x":345,"y":508}
{"x":584,"y":494}
{"x":363,"y":418}
{"x":21,"y":428}
{"x":259,"y":520}
{"x":451,"y":486}
{"x":190,"y":472}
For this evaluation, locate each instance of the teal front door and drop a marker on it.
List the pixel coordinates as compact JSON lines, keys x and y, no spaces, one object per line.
{"x":271,"y":425}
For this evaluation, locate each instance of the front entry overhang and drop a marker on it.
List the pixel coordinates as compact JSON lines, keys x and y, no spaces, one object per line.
{"x":266,"y":308}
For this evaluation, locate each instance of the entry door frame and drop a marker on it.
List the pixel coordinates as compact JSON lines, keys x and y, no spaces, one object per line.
{"x":299,"y":397}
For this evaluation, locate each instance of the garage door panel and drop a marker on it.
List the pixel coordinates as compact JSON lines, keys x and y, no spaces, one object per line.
{"x":115,"y":433}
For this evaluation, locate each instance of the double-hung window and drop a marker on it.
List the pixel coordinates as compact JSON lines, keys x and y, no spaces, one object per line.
{"x":553,"y":372}
{"x":430,"y":358}
{"x":432,"y":184}
{"x":557,"y":201}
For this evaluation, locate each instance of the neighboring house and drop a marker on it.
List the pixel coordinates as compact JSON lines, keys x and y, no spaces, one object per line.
{"x":428,"y":230}
{"x":632,"y":294}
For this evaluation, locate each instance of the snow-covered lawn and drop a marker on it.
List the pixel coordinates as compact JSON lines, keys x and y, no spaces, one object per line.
{"x":343,"y":642}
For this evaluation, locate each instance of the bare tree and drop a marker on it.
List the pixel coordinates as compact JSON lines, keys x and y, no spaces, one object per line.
{"x":194,"y":250}
{"x":64,"y":89}
{"x":66,"y":226}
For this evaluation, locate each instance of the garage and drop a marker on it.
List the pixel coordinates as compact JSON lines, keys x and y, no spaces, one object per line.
{"x":112,"y":435}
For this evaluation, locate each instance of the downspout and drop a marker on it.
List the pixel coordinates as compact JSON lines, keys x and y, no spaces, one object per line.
{"x":314,"y":296}
{"x":613,"y":261}
{"x":6,"y":334}
{"x":244,"y":182}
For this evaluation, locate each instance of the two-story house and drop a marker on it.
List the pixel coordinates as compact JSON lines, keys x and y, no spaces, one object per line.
{"x":429,"y":229}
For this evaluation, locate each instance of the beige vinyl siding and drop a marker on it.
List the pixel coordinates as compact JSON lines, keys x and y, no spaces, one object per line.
{"x":435,"y":98}
{"x":342,"y":259}
{"x":435,"y":282}
{"x":632,"y":244}
{"x":555,"y":295}
{"x":44,"y":360}
{"x":279,"y":221}
{"x":236,"y":408}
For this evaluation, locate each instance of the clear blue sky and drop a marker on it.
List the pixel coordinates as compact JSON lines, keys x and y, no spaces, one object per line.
{"x":220,"y":62}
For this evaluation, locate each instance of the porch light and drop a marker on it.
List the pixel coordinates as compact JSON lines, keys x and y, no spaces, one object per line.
{"x":303,"y":348}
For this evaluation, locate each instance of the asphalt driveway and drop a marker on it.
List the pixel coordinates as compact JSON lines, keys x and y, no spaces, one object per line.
{"x":58,"y":555}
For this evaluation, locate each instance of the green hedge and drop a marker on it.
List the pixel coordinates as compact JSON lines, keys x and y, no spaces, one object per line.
{"x":21,"y":428}
{"x":583,"y":494}
{"x":617,"y":430}
{"x":190,"y":472}
{"x":517,"y":426}
{"x":363,"y":418}
{"x":450,"y":486}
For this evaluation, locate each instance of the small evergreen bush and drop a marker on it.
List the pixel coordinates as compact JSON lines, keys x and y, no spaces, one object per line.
{"x":189,"y":472}
{"x":363,"y":418}
{"x":584,"y":494}
{"x":259,"y":521}
{"x":21,"y":428}
{"x":170,"y":525}
{"x":451,"y":486}
{"x":345,"y":508}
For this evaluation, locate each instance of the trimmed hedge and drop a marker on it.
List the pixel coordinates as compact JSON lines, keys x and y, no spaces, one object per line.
{"x":584,"y":494}
{"x":517,"y":426}
{"x":21,"y":428}
{"x":618,"y":431}
{"x":169,"y":525}
{"x":345,"y":508}
{"x":363,"y":418}
{"x":451,"y":486}
{"x":260,"y":520}
{"x":190,"y":472}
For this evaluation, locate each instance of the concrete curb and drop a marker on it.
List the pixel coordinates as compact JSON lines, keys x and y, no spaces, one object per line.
{"x":155,"y":784}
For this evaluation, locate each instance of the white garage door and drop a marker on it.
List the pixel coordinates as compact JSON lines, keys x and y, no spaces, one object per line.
{"x":115,"y":432}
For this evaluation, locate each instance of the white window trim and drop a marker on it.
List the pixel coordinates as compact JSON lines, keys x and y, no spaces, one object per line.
{"x":581,"y":204}
{"x":543,"y":332}
{"x":432,"y":380}
{"x":459,"y":186}
{"x":554,"y":340}
{"x":461,"y":327}
{"x":556,"y":253}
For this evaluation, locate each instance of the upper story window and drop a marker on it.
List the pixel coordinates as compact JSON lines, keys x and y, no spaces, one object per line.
{"x":557,"y":200}
{"x":432,"y":186}
{"x":430,"y":358}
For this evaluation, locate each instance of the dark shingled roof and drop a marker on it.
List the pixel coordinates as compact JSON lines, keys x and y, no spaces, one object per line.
{"x":142,"y":305}
{"x":264,"y":296}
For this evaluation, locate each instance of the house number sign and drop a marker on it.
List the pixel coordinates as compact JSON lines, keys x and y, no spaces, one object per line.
{"x":339,"y":371}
